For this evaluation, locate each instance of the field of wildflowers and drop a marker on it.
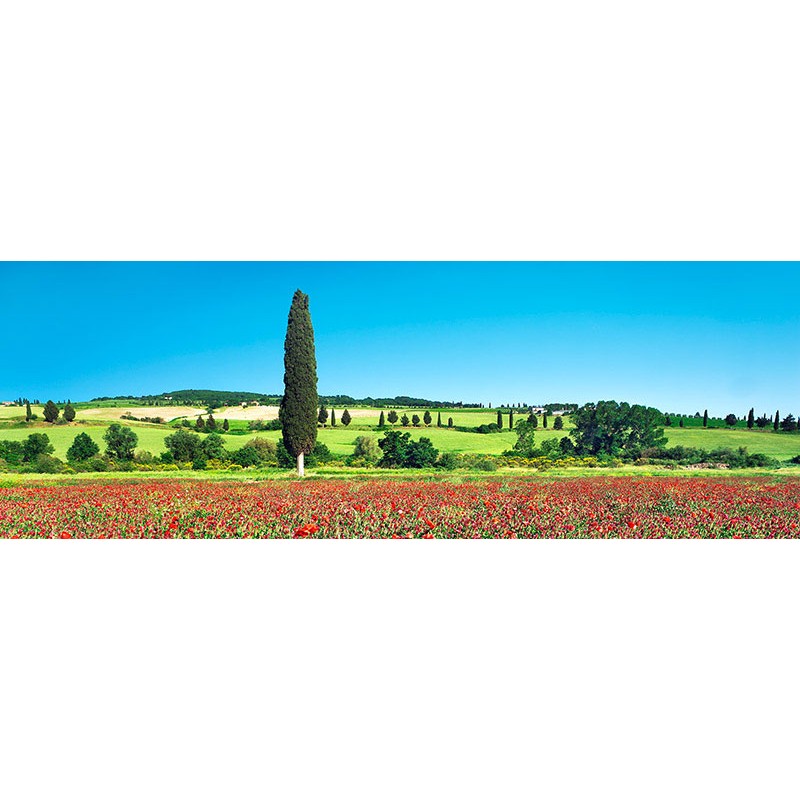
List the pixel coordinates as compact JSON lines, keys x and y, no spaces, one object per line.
{"x":603,"y":507}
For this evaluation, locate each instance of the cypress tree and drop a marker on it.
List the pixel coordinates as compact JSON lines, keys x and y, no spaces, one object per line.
{"x":777,"y":422}
{"x":681,"y":422}
{"x":211,"y":423}
{"x":511,"y":419}
{"x":333,"y":418}
{"x":427,"y":418}
{"x":200,"y":424}
{"x":50,"y":411}
{"x":226,"y":426}
{"x":439,"y":420}
{"x":346,"y":418}
{"x":382,"y":421}
{"x":322,"y":417}
{"x":69,"y":413}
{"x":499,"y":418}
{"x":298,"y":410}
{"x":751,"y":419}
{"x":705,"y":418}
{"x":558,"y":423}
{"x":392,"y":416}
{"x":28,"y":412}
{"x":449,"y":422}
{"x":544,"y":420}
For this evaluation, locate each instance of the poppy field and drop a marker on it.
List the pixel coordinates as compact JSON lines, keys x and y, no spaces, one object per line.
{"x":603,"y":507}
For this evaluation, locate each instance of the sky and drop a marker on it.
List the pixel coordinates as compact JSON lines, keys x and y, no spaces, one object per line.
{"x":680,"y":336}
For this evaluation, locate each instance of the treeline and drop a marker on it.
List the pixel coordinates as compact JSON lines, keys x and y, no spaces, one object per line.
{"x":786,"y":424}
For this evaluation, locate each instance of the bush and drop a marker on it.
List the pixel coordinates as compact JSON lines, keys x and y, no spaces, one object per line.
{"x":421,"y":454}
{"x":367,"y":450}
{"x":46,"y":463}
{"x":82,"y":447}
{"x":447,"y":461}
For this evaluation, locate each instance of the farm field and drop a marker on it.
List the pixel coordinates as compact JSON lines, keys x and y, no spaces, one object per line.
{"x":603,"y":507}
{"x":341,"y":440}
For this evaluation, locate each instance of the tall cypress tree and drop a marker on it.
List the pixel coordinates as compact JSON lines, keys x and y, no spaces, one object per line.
{"x":511,"y":419}
{"x":28,"y":412}
{"x":776,"y":424}
{"x":299,"y":404}
{"x":499,"y":418}
{"x":333,"y":418}
{"x":705,"y":418}
{"x":382,"y":421}
{"x":751,"y":419}
{"x":544,"y":420}
{"x":439,"y":420}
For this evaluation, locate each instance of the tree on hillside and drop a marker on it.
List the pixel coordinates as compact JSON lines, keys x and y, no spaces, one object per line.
{"x":534,"y":420}
{"x":37,"y":444}
{"x":680,"y":423}
{"x":776,"y":423}
{"x":382,"y":421}
{"x":705,"y":418}
{"x":667,"y":420}
{"x":763,"y":421}
{"x":226,"y":426}
{"x":211,"y":423}
{"x":611,"y":428}
{"x":51,"y":411}
{"x":449,"y":422}
{"x":751,"y":418}
{"x":394,"y":446}
{"x":731,"y":420}
{"x":789,"y":423}
{"x":544,"y":419}
{"x":392,"y":416}
{"x":415,"y":420}
{"x":404,"y":420}
{"x":322,"y":417}
{"x":120,"y":441}
{"x":28,"y":412}
{"x":200,"y":423}
{"x":298,"y":411}
{"x":439,"y":420}
{"x":427,"y":418}
{"x":525,"y":445}
{"x":558,"y":423}
{"x":183,"y":445}
{"x":333,"y":418}
{"x":69,"y":413}
{"x":499,"y":419}
{"x":82,"y":447}
{"x":346,"y":418}
{"x":511,"y":419}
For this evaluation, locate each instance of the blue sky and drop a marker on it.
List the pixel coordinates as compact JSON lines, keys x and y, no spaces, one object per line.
{"x":681,"y":336}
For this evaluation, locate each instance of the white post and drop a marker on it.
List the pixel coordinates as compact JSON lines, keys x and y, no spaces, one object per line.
{"x":301,"y":465}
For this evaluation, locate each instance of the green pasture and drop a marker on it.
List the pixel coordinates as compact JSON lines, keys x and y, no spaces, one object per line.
{"x":341,"y":439}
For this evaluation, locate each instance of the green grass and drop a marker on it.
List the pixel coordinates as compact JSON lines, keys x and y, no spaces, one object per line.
{"x":341,"y":440}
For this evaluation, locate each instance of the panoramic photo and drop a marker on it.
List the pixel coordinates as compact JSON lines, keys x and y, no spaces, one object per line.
{"x":399,"y":400}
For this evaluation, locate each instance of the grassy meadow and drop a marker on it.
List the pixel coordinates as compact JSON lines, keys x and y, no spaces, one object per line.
{"x":341,"y":439}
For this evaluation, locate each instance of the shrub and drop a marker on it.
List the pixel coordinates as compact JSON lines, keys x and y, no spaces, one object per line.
{"x":82,"y":447}
{"x":367,"y":449}
{"x":421,"y":454}
{"x":447,"y":461}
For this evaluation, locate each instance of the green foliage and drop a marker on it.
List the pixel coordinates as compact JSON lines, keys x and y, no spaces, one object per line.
{"x":499,"y":419}
{"x":120,"y":442}
{"x":404,"y":420}
{"x":705,"y":418}
{"x":382,"y":421}
{"x":226,"y":426}
{"x":37,"y":444}
{"x":12,"y":453}
{"x":558,"y":423}
{"x":731,"y":420}
{"x":439,"y":420}
{"x":28,"y":413}
{"x":394,"y":446}
{"x":367,"y":449}
{"x":333,"y":417}
{"x":200,"y":423}
{"x":427,"y":418}
{"x":415,"y":420}
{"x":525,"y":445}
{"x":449,"y":422}
{"x":346,"y":418}
{"x":51,"y":411}
{"x":183,"y":445}
{"x":545,"y":417}
{"x":421,"y":454}
{"x":211,"y":423}
{"x":612,"y":428}
{"x":776,"y":423}
{"x":447,"y":461}
{"x":751,"y":419}
{"x":322,"y":417}
{"x":69,"y":413}
{"x":298,"y":410}
{"x":789,"y":423}
{"x":213,"y":447}
{"x":392,"y":417}
{"x":82,"y":447}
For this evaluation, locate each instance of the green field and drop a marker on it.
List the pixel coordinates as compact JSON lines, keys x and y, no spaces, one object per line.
{"x":341,"y":440}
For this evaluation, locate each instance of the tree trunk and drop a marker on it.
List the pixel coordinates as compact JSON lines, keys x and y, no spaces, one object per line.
{"x":301,"y":465}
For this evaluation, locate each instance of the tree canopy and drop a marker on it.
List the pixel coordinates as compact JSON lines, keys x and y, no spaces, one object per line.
{"x":611,"y":428}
